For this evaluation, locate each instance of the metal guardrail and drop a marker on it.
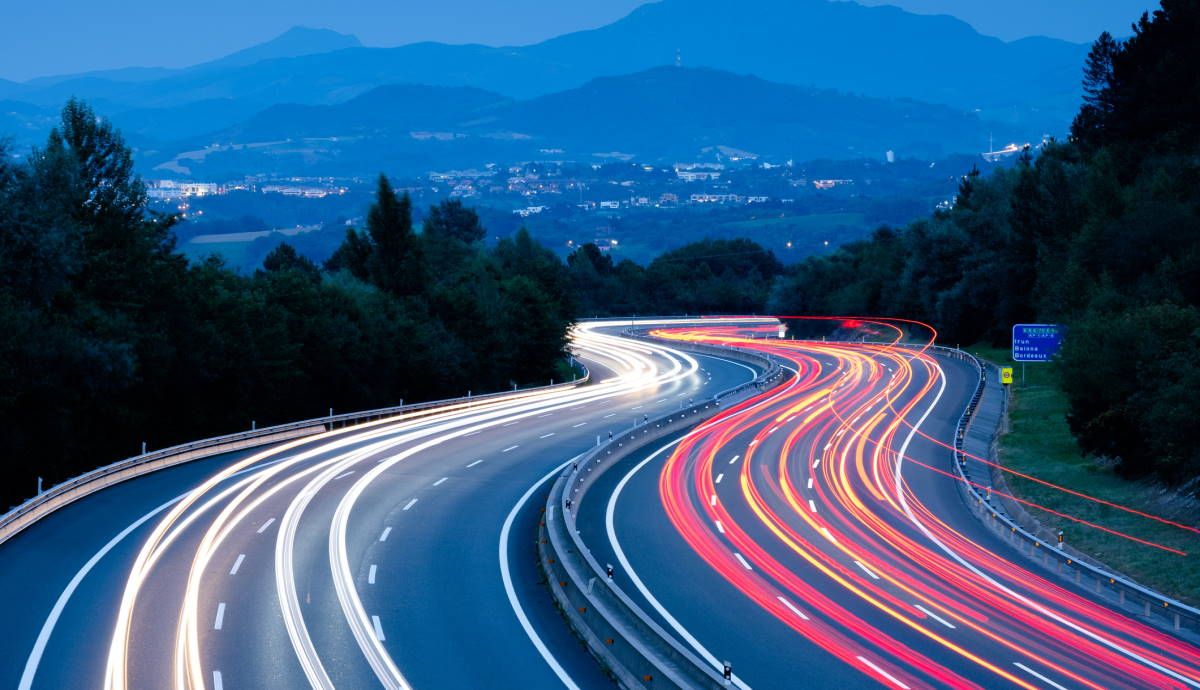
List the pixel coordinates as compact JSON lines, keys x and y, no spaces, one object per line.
{"x":70,"y":490}
{"x":1156,"y":607}
{"x":635,"y":648}
{"x":619,"y":633}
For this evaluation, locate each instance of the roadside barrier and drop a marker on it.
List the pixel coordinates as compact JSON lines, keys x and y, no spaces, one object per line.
{"x":630,"y":644}
{"x":60,"y":495}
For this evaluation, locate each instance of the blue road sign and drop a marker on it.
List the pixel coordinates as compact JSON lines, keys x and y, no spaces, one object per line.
{"x":1036,"y":342}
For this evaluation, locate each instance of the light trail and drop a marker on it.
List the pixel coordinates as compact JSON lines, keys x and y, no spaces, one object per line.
{"x":862,"y":533}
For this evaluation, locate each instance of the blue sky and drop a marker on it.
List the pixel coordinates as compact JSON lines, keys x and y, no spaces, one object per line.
{"x":67,"y":36}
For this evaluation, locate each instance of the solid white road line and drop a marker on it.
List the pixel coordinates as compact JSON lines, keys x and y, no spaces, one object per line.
{"x":510,"y":448}
{"x":934,"y":616}
{"x":237,"y":564}
{"x":440,"y":481}
{"x":742,"y":560}
{"x":220,"y":620}
{"x":39,"y":646}
{"x":410,"y":504}
{"x":265,"y":525}
{"x":474,"y":464}
{"x":1037,"y":675}
{"x":792,"y":607}
{"x":378,"y":628}
{"x":384,"y":535}
{"x":883,"y":673}
{"x":371,"y":574}
{"x":506,"y":576}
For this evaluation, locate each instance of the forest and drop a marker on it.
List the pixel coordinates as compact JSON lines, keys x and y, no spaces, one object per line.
{"x":1100,"y":232}
{"x":109,"y":337}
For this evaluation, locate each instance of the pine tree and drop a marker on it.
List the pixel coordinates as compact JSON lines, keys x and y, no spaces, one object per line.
{"x":395,"y":264}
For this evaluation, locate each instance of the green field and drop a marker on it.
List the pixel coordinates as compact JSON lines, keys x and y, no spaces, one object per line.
{"x":1039,"y":443}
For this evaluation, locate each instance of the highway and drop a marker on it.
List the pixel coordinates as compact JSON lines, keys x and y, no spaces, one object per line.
{"x":815,"y":538}
{"x":812,"y":536}
{"x":397,"y":553}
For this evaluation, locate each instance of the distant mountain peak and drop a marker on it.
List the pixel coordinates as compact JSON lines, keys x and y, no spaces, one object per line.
{"x":295,"y":42}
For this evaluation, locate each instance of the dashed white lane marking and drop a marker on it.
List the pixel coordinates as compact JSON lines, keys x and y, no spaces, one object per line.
{"x":576,"y":426}
{"x":866,"y":570}
{"x":220,"y":621}
{"x":720,"y":527}
{"x":265,"y":525}
{"x":410,"y":504}
{"x":734,"y":459}
{"x":343,"y":475}
{"x":543,"y":416}
{"x":742,"y":560}
{"x":237,"y":564}
{"x":816,"y":463}
{"x":720,"y":477}
{"x":828,"y":535}
{"x":810,"y":482}
{"x":792,"y":607}
{"x":384,"y":535}
{"x":474,"y":463}
{"x":546,"y":435}
{"x":812,"y":506}
{"x":378,"y":628}
{"x":661,"y":401}
{"x":1037,"y":675}
{"x":509,"y":424}
{"x":934,"y":616}
{"x":875,"y":667}
{"x":218,"y":683}
{"x":610,"y":414}
{"x":371,"y":574}
{"x":472,"y":433}
{"x":712,"y":500}
{"x":511,"y":448}
{"x":440,"y":481}
{"x":637,"y":408}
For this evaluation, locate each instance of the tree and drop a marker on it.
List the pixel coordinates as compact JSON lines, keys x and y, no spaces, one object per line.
{"x":353,"y":256}
{"x":395,"y":261}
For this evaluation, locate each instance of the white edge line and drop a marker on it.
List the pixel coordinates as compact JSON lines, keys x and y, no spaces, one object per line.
{"x":506,"y":576}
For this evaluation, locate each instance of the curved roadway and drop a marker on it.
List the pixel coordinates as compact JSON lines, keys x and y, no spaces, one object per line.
{"x":396,"y":554}
{"x":815,"y":538}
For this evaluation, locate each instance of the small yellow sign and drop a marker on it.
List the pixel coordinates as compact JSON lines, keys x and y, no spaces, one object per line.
{"x":1006,"y":375}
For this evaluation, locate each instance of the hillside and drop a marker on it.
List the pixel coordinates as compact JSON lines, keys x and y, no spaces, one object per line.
{"x":878,"y":51}
{"x":665,"y":114}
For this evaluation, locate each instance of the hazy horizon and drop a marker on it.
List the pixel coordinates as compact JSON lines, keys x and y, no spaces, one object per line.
{"x":148,"y":36}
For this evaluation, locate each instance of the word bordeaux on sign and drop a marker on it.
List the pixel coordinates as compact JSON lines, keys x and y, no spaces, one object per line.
{"x":1036,"y":342}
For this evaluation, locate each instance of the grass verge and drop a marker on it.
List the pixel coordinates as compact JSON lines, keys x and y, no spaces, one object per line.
{"x":1039,"y":443}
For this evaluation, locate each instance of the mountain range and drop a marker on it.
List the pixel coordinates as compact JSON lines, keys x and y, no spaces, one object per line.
{"x":825,"y":73}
